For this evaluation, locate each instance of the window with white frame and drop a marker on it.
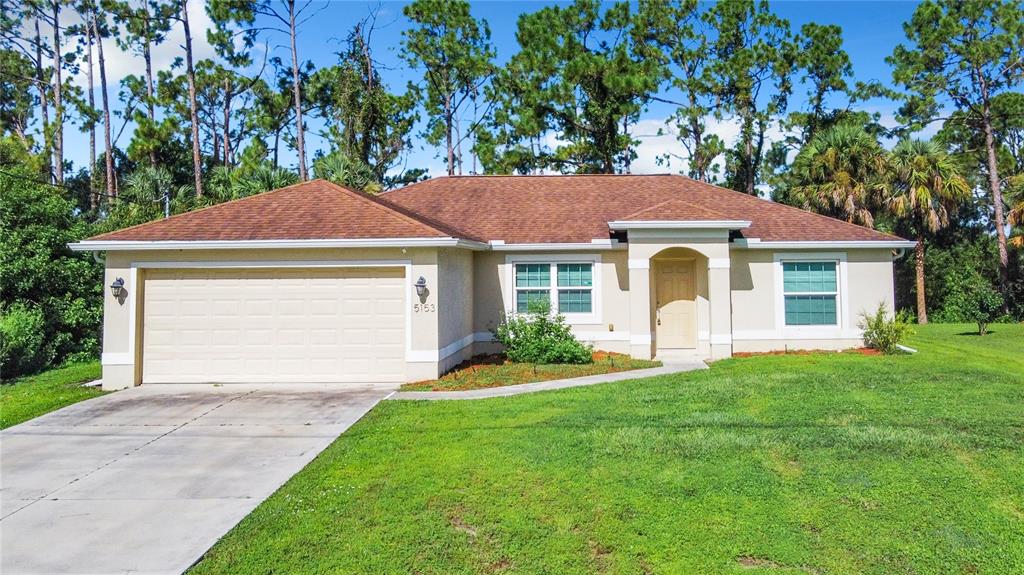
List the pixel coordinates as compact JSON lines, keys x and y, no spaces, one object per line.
{"x":811,"y":292}
{"x":568,"y":287}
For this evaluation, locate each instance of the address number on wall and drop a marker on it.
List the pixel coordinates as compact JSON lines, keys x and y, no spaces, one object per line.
{"x":424,"y":307}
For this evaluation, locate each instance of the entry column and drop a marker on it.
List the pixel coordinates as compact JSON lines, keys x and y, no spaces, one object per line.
{"x":640,"y":340}
{"x":720,"y":303}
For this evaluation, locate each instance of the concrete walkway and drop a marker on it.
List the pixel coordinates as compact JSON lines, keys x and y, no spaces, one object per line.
{"x":147,"y":479}
{"x":665,"y":369}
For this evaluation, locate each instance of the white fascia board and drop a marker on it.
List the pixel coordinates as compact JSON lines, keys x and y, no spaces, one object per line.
{"x":679,"y":224}
{"x":123,"y":245}
{"x":595,"y":244}
{"x":757,"y":244}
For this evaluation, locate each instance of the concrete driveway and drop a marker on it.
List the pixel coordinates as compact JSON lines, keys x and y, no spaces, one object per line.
{"x":147,"y":479}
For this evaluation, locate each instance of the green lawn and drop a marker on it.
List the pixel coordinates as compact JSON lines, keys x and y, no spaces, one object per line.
{"x":836,"y":463}
{"x":494,"y":371}
{"x":32,"y":396}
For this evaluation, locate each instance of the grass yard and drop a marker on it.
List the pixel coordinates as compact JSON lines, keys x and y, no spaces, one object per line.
{"x":33,"y":395}
{"x":495,"y":371}
{"x":837,"y":463}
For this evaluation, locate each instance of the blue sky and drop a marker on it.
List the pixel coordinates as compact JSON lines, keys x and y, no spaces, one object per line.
{"x":870,"y":31}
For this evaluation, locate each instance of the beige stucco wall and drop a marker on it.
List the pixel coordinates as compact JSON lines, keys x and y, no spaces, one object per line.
{"x":121,"y":365}
{"x":493,"y":296}
{"x":865,"y":280}
{"x":454,"y":306}
{"x":469,"y":292}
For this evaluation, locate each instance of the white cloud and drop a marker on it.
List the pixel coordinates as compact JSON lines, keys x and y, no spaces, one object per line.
{"x":121,"y":63}
{"x":654,"y":144}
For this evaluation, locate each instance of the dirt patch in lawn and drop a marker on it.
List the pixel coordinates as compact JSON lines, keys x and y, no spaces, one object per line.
{"x":856,"y":350}
{"x":495,"y":370}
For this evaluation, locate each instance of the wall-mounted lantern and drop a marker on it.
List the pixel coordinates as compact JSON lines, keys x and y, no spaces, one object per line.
{"x":117,"y":288}
{"x":421,"y":286}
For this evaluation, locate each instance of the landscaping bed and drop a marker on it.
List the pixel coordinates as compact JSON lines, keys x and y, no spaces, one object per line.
{"x":495,"y":370}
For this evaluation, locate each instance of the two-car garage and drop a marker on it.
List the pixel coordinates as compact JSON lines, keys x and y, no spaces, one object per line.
{"x":312,"y":283}
{"x":273,"y":325}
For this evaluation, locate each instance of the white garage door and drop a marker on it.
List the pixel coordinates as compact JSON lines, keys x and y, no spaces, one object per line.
{"x":275,"y":325}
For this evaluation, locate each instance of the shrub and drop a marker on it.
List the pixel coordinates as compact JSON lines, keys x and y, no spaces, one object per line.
{"x":540,"y":337}
{"x":22,"y":345}
{"x":41,"y":277}
{"x":985,"y":304}
{"x":882,"y":333}
{"x":971,"y":298}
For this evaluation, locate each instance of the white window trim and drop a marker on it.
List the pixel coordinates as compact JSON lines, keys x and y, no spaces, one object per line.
{"x":594,"y":317}
{"x":842,"y":325}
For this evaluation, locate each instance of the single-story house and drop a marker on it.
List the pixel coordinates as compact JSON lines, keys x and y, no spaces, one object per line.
{"x":318,"y":283}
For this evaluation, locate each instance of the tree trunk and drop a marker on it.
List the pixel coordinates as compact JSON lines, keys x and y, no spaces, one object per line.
{"x":93,"y":200}
{"x":277,"y":143}
{"x":697,"y":160}
{"x":997,"y":193}
{"x":748,"y":152}
{"x":58,"y":100}
{"x":458,"y":145}
{"x":922,"y":309}
{"x":448,"y":133}
{"x":108,"y":155}
{"x":147,"y":56}
{"x":227,"y":121}
{"x":300,"y":140}
{"x":41,"y":83}
{"x":197,"y":159}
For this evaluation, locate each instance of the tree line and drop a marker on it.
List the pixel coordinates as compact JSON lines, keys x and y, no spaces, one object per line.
{"x":568,"y":100}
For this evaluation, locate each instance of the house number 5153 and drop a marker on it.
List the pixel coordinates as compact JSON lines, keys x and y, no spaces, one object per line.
{"x":424,"y":307}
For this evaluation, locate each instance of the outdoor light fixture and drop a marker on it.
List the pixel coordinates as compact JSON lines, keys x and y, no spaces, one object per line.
{"x":421,"y":286}
{"x":117,"y":288}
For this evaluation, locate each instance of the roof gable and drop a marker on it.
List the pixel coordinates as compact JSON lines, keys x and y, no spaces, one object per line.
{"x":312,"y":210}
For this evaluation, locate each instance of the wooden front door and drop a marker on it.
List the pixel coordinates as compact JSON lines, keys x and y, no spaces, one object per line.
{"x":676,"y":315}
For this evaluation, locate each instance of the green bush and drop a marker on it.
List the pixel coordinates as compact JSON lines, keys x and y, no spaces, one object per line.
{"x":883,"y":333}
{"x":985,"y":303}
{"x":23,"y":348}
{"x":540,"y":337}
{"x":40,"y":277}
{"x":971,"y":298}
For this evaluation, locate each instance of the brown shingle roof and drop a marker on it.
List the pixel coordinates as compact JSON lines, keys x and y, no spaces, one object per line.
{"x":515,"y":209}
{"x":577,"y":208}
{"x":675,"y":210}
{"x":316,"y":209}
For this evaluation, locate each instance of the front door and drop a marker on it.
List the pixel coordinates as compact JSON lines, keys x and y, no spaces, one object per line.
{"x":676,"y":315}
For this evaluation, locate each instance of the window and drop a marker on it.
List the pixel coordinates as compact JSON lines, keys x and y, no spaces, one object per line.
{"x":529,"y":277}
{"x":811,"y":291}
{"x":572,"y":291}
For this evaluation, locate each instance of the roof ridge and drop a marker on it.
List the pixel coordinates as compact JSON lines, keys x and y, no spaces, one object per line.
{"x":497,"y":176}
{"x":203,"y":209}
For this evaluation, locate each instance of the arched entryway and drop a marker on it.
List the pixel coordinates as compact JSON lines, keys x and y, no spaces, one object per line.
{"x":679,"y":297}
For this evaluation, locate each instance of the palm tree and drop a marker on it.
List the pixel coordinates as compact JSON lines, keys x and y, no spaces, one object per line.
{"x":927,"y":187}
{"x":1016,"y":214}
{"x":263,"y":179}
{"x":148,"y":184}
{"x":841,"y":173}
{"x":345,"y":171}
